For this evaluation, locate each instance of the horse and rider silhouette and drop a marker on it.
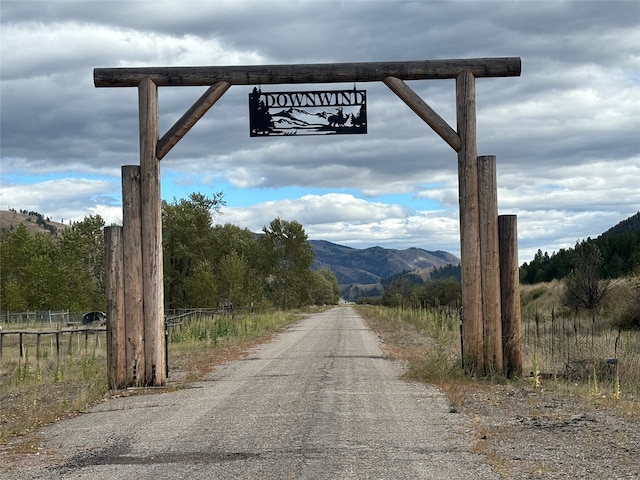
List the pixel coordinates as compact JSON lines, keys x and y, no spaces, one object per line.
{"x":337,"y":120}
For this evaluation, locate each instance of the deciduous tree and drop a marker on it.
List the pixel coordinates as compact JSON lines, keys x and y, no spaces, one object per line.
{"x":288,"y":256}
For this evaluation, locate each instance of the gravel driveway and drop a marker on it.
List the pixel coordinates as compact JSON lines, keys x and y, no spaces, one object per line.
{"x":319,"y":401}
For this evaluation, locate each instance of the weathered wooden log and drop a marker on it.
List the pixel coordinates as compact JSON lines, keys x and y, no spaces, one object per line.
{"x":152,"y":287}
{"x":472,"y":335}
{"x":114,"y":284}
{"x":132,"y":247}
{"x":189,"y":119}
{"x":307,"y":73}
{"x":510,"y":294}
{"x":490,"y":264}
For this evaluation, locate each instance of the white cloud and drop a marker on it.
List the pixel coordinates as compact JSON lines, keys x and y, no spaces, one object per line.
{"x":565,"y":132}
{"x":68,"y":199}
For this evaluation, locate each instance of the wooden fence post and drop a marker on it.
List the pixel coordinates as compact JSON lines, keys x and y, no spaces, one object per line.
{"x":132,"y":253}
{"x":114,"y":283}
{"x":510,"y":294}
{"x":490,"y":264}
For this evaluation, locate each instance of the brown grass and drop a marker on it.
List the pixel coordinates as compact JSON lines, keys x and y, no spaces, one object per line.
{"x":10,"y":220}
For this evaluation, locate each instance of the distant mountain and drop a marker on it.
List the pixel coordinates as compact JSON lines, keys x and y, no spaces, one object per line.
{"x":372,"y":265}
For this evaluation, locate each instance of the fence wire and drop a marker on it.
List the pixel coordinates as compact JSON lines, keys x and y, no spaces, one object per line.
{"x":579,"y":348}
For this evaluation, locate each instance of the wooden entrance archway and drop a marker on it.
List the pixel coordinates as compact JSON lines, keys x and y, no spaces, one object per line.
{"x":134,"y":251}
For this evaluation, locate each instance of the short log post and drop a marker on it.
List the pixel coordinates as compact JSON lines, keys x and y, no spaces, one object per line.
{"x":490,"y":264}
{"x":510,"y":294}
{"x":473,"y":353}
{"x":132,"y":253}
{"x":152,"y":287}
{"x":114,"y":283}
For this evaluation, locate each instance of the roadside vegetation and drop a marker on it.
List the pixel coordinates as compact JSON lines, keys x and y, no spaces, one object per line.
{"x":246,"y":286}
{"x":591,"y":354}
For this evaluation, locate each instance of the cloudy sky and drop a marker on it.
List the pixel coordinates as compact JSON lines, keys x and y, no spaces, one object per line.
{"x":566,"y":133}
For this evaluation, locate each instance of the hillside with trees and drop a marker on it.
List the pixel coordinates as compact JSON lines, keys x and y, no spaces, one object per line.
{"x":34,"y":222}
{"x":619,"y":248}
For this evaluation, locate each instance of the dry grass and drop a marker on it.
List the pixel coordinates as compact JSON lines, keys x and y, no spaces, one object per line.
{"x":10,"y":220}
{"x":580,"y":347}
{"x":429,"y":344}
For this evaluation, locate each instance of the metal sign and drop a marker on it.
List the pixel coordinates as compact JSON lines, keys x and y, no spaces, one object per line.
{"x":328,"y":112}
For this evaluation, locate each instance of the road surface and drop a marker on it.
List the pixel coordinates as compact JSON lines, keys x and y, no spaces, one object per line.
{"x":320,"y":401}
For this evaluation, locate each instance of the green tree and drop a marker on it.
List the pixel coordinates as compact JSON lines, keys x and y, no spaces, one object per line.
{"x":28,"y":271}
{"x":230,"y":238}
{"x":187,"y":241}
{"x":398,"y":291}
{"x":43,"y":272}
{"x":202,"y":286}
{"x":326,"y":290}
{"x":15,"y":251}
{"x":80,"y":266}
{"x":287,"y":255}
{"x":233,"y":272}
{"x":441,"y":293}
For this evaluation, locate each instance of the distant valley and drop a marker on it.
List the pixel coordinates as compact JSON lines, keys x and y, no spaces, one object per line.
{"x":360,"y":271}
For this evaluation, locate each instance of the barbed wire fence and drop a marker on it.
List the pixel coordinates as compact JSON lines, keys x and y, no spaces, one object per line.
{"x":579,"y":348}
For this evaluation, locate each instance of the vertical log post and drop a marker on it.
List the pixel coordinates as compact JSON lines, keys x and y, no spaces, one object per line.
{"x":132,"y":246}
{"x":152,"y":288}
{"x":473,"y":355}
{"x":114,"y":283}
{"x":510,"y":294}
{"x":490,"y":263}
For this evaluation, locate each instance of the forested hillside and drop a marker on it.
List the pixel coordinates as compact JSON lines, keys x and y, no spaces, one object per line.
{"x":619,"y":247}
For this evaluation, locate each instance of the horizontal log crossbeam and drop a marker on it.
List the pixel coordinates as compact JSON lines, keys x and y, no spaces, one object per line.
{"x":307,"y":73}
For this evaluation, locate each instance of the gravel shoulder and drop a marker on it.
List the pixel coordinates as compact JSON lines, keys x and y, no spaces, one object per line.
{"x":552,"y":434}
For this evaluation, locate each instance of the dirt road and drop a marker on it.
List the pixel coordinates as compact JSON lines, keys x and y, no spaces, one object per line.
{"x":318,"y":402}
